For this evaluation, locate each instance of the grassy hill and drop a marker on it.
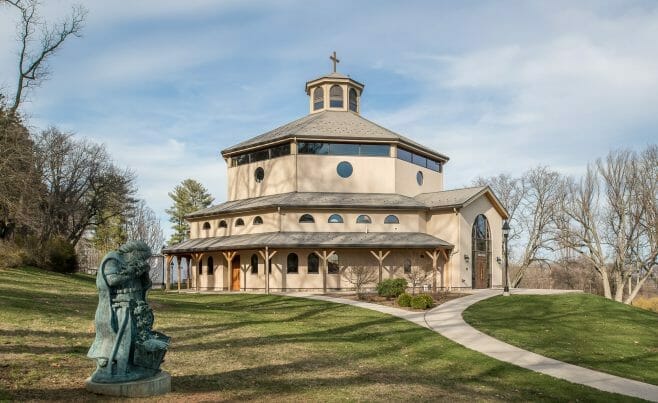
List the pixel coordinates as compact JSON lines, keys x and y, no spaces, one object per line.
{"x":253,"y":347}
{"x":582,"y":329}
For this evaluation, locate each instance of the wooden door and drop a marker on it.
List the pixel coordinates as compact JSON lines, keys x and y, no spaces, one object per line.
{"x":481,"y":272}
{"x":235,"y":274}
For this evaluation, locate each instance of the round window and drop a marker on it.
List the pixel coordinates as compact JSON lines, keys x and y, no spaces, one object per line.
{"x":419,"y":178}
{"x":344,"y":169}
{"x":259,"y":174}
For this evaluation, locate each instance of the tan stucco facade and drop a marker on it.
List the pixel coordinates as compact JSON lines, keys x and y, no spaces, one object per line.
{"x":411,"y":174}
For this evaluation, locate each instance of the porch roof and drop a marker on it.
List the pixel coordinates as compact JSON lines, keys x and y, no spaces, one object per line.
{"x":280,"y":240}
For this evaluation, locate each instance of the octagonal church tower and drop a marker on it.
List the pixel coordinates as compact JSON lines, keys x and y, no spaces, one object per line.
{"x":315,"y":201}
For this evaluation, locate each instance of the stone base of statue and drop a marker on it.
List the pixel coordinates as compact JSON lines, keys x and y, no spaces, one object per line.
{"x":153,"y":386}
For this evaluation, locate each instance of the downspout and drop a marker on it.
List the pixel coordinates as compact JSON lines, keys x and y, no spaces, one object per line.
{"x":278,"y":210}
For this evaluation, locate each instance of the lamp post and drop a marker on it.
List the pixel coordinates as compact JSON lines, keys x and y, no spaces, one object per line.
{"x":506,"y":236}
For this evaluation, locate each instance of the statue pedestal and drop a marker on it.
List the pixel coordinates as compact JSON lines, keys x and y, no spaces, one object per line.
{"x":157,"y":385}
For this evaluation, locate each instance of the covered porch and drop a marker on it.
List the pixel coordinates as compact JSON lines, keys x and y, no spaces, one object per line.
{"x":301,"y":261}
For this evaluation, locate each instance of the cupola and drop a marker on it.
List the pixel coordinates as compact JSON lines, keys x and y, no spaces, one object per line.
{"x":334,"y":92}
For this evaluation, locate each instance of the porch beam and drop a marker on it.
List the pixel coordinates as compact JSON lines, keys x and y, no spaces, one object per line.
{"x":380,"y":256}
{"x":325,"y":257}
{"x":267,"y":255}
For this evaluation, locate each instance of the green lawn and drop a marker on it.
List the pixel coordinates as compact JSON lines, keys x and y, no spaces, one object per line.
{"x":581,"y":329}
{"x":254,"y":347}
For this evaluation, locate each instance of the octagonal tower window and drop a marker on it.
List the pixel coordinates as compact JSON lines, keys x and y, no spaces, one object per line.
{"x":318,"y":98}
{"x":336,"y":97}
{"x":353,"y":102}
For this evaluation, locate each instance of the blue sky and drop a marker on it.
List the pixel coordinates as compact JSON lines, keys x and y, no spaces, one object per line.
{"x":497,"y":86}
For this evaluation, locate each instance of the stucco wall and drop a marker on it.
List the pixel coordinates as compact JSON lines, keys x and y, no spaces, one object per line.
{"x":279,"y":178}
{"x":405,"y":179}
{"x":317,"y":173}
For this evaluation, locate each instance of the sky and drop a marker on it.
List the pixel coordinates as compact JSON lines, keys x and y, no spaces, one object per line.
{"x":498,"y":86}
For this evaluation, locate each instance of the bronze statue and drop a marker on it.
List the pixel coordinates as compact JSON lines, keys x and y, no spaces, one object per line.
{"x":126,"y":348}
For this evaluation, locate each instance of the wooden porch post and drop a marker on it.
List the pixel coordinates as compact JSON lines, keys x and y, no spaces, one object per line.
{"x":380,"y":256}
{"x":446,"y":259}
{"x":167,"y":273}
{"x":266,"y":255}
{"x":325,"y":257}
{"x":189,"y":273}
{"x":196,"y":258}
{"x":229,"y":255}
{"x":434,"y":255}
{"x":178,"y":263}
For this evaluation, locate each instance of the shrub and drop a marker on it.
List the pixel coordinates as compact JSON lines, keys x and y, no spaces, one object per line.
{"x":404,"y":299}
{"x":422,"y":301}
{"x":12,"y":255}
{"x":60,"y":256}
{"x":646,"y":303}
{"x":392,"y":288}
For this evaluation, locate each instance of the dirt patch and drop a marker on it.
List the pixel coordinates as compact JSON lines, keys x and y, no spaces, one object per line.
{"x":439,"y":298}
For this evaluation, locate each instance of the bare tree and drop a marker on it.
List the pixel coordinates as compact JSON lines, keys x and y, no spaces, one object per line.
{"x":532,"y":201}
{"x":144,"y":225}
{"x":38,"y":41}
{"x":83,"y":188}
{"x":609,"y":218}
{"x":359,"y":277}
{"x":417,"y":276}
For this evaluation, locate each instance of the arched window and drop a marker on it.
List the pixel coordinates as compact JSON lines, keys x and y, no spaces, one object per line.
{"x":481,"y":249}
{"x":254,"y":264}
{"x":200,"y":266}
{"x":335,"y":219}
{"x":206,"y":225}
{"x":211,"y":266}
{"x":336,"y":97}
{"x":332,"y":264}
{"x":407,"y":265}
{"x":222,"y":224}
{"x":313,"y":264}
{"x":259,"y":174}
{"x":353,"y":105}
{"x":363,"y":219}
{"x":293,"y":263}
{"x":239,"y":222}
{"x":318,"y":98}
{"x":391,"y":219}
{"x":257,"y":220}
{"x":306,"y":218}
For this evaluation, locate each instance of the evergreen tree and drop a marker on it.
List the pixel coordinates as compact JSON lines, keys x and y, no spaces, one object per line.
{"x":188,"y":197}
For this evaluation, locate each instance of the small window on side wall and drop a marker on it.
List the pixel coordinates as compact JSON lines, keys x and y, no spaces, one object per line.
{"x":313,"y":263}
{"x":391,"y":219}
{"x":254,"y":264}
{"x":363,"y":219}
{"x":222,"y":224}
{"x":292,"y":263}
{"x":306,"y":218}
{"x":332,"y":264}
{"x":407,"y":265}
{"x":239,"y":222}
{"x":211,"y":266}
{"x":257,"y":220}
{"x":335,"y":219}
{"x":206,"y":225}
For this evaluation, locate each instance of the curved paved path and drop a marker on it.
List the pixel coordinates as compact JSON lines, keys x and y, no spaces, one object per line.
{"x":446,"y":319}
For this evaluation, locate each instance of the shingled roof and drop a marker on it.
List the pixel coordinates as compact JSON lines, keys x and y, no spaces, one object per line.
{"x":458,"y":198}
{"x":317,"y":200}
{"x":331,"y":125}
{"x":373,"y":201}
{"x":394,"y":240}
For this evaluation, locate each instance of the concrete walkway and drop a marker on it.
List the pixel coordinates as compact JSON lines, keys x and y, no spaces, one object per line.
{"x":446,"y":319}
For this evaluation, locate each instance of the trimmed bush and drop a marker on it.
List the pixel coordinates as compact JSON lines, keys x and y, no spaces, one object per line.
{"x":404,"y":300}
{"x":392,"y":288}
{"x":422,"y":301}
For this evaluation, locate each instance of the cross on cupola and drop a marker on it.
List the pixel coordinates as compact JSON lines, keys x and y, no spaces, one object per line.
{"x":334,"y":91}
{"x":334,"y":59}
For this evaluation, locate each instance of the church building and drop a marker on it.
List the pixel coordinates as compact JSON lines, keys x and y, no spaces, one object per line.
{"x":316,"y":203}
